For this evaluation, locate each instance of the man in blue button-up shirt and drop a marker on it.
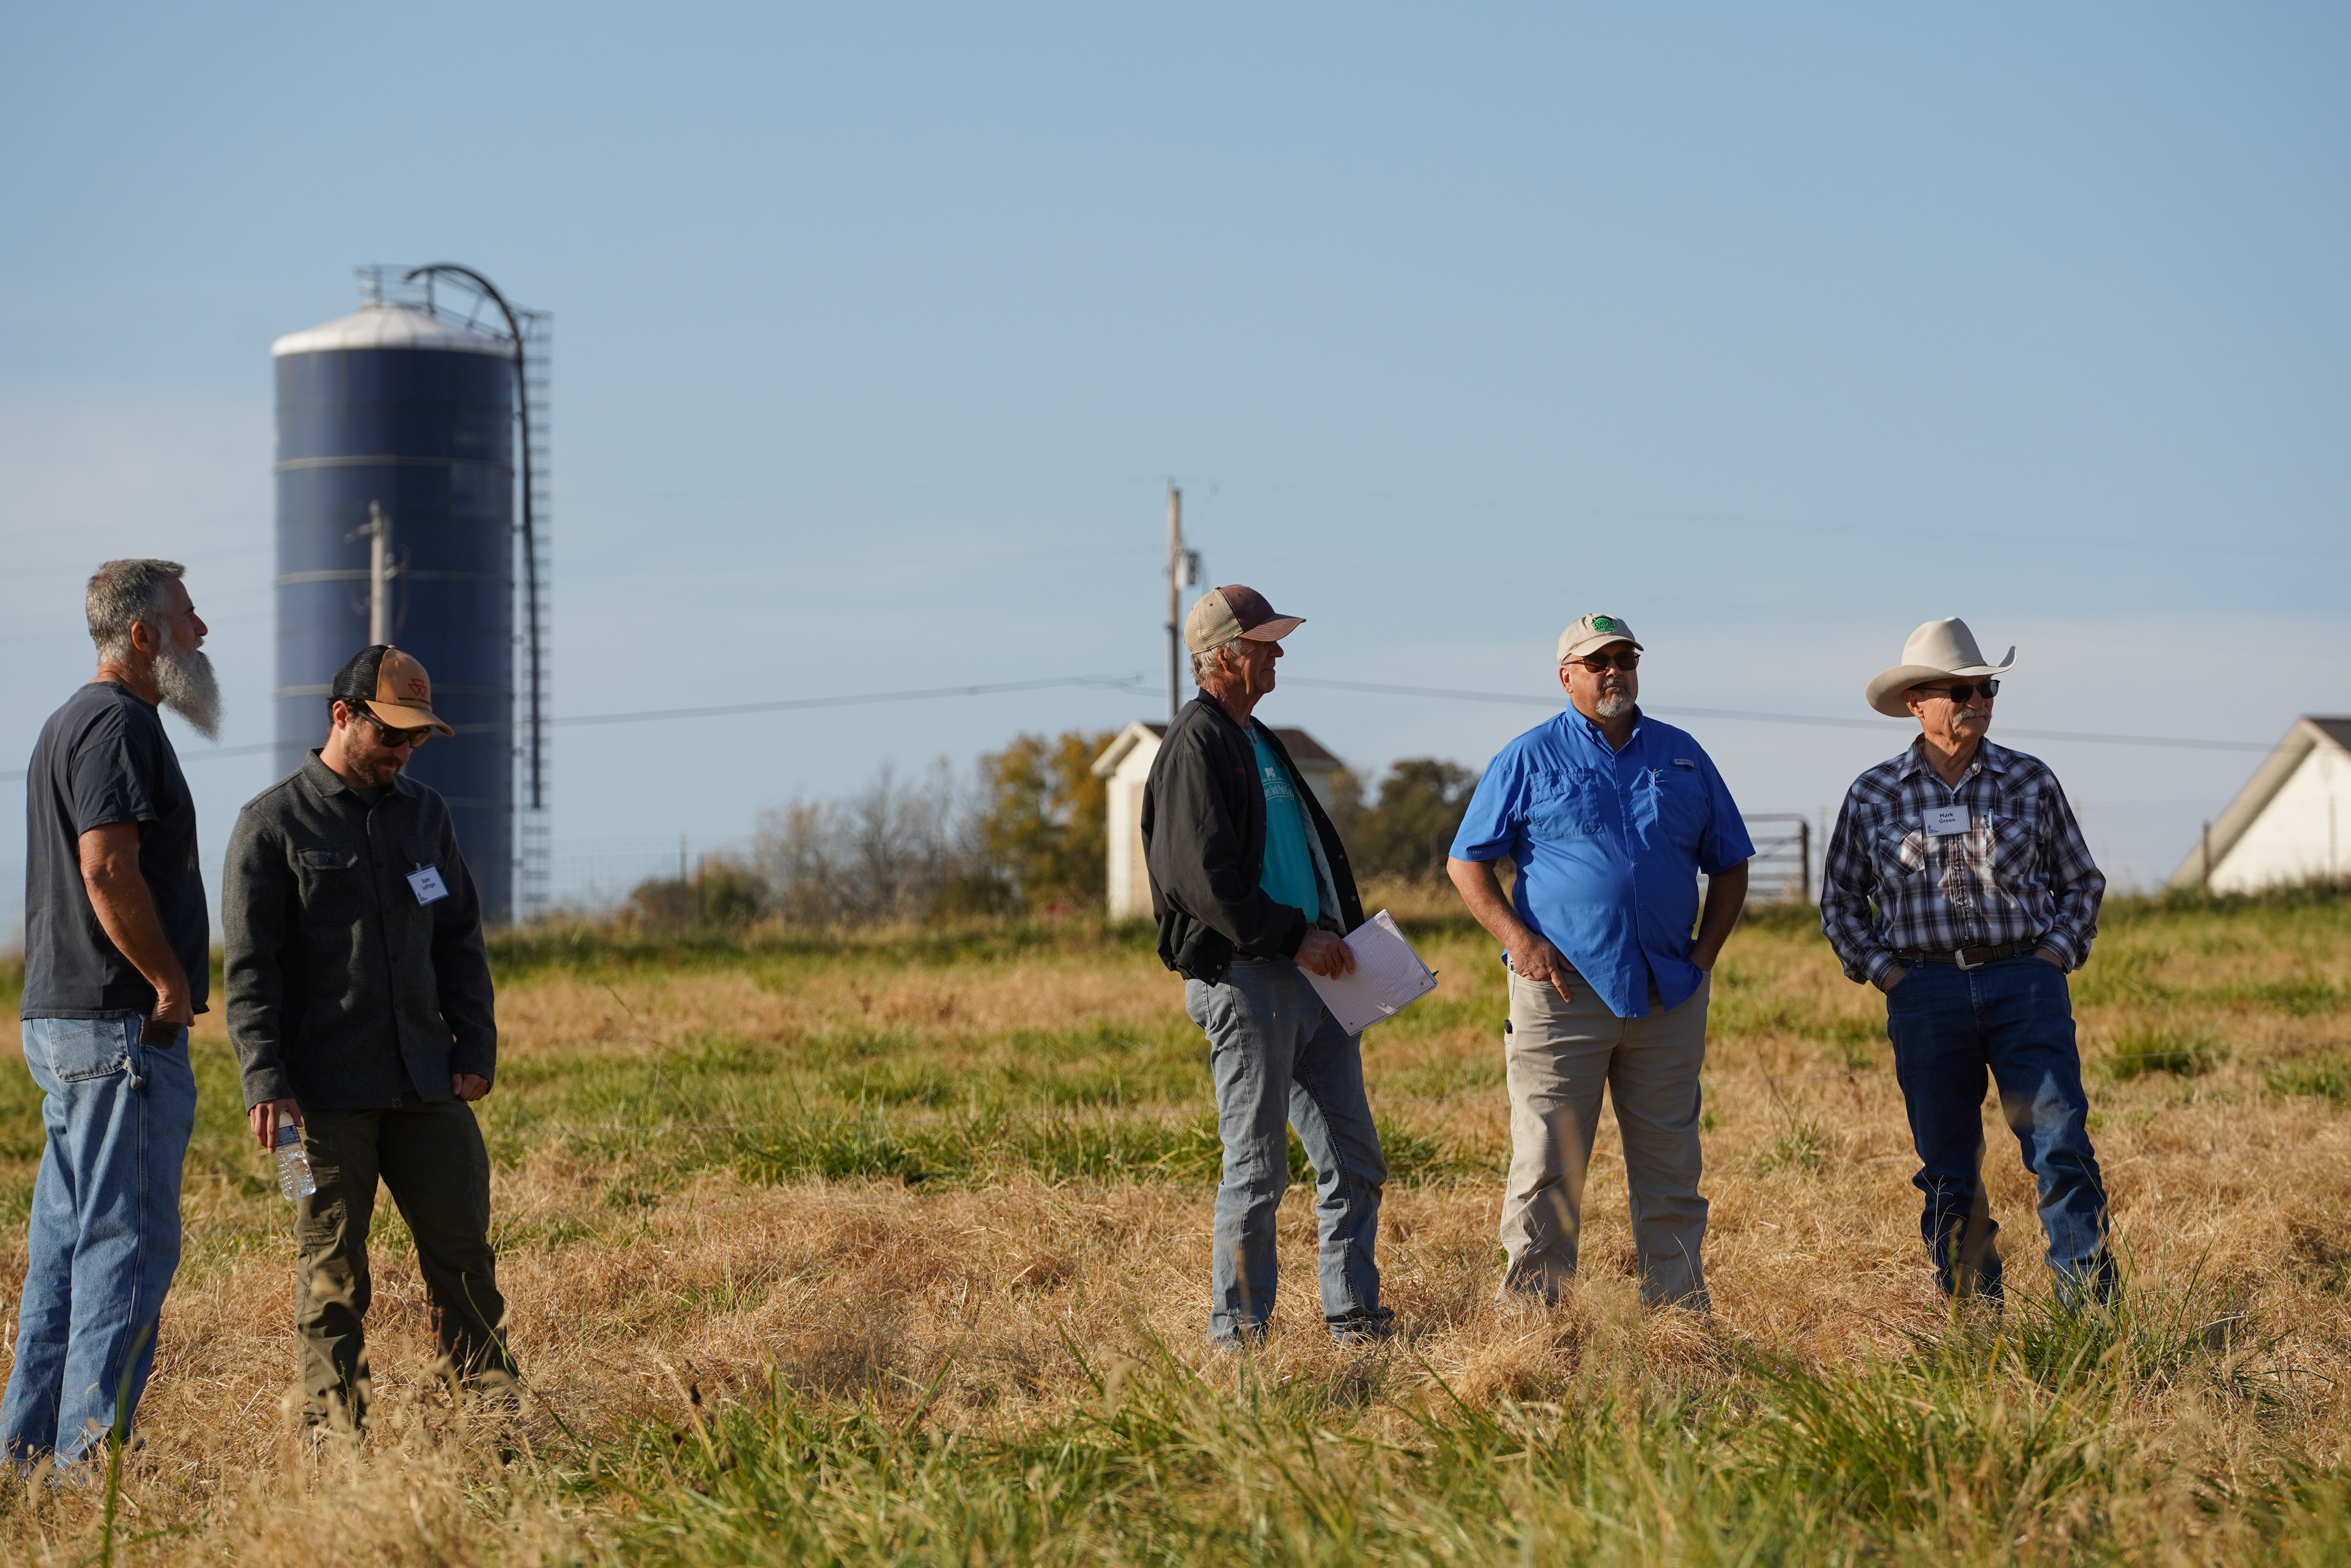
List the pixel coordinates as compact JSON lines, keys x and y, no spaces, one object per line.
{"x":1610,"y":818}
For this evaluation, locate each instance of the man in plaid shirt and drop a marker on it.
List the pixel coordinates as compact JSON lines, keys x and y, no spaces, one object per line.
{"x":1958,"y":882}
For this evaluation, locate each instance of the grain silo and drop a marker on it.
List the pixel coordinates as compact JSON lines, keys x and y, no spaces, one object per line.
{"x":396,"y":522}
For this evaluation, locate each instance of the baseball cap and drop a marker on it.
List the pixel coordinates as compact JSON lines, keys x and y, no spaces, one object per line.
{"x":392,"y":685}
{"x":1225,"y":613}
{"x":1589,"y":631}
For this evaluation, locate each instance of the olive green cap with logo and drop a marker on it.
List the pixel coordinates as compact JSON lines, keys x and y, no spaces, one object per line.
{"x":1589,"y":631}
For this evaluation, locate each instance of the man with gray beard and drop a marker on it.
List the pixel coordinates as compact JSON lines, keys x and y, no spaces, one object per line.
{"x":1610,"y":817}
{"x":117,"y":947}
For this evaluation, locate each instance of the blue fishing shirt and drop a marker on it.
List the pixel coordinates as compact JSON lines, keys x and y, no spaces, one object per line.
{"x":1609,"y":845}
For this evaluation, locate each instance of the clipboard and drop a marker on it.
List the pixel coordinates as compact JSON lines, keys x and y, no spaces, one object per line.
{"x":1389,"y":976}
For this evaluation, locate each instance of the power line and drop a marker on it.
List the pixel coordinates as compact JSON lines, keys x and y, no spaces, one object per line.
{"x":2179,"y":742}
{"x":1131,"y":683}
{"x":1108,"y":683}
{"x":1133,"y":686}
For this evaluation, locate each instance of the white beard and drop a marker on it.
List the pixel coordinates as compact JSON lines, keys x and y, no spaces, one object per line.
{"x":1614,"y":706}
{"x":184,"y":676}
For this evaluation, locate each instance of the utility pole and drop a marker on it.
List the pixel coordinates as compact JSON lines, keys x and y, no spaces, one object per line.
{"x":378,"y":532}
{"x":1175,"y":600}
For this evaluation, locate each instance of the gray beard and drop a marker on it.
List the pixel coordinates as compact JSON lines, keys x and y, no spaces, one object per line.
{"x":1615,"y":706}
{"x":184,"y":676}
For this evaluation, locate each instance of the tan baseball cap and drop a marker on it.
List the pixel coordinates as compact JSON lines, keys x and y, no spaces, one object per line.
{"x":392,"y":685}
{"x":1589,"y":631}
{"x":1225,"y":613}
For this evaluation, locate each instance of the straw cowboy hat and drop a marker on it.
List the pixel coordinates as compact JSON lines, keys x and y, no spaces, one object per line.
{"x":1941,"y":650}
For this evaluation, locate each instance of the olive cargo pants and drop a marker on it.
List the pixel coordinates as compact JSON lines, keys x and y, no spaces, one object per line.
{"x":431,"y":1155}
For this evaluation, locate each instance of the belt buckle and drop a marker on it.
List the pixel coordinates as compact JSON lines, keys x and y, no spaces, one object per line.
{"x":1959,"y":956}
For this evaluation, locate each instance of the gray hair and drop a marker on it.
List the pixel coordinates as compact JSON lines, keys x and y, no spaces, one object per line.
{"x":1208,"y":659}
{"x":121,"y":594}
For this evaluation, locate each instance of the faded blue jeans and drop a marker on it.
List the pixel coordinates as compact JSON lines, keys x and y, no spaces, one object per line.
{"x":1280,"y":1058}
{"x":104,"y":1237}
{"x":2013,"y":1018}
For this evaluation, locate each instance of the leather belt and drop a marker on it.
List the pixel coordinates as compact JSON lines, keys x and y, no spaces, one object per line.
{"x":1969,"y":958}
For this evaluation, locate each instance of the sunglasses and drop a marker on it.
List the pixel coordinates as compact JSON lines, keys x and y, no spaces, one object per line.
{"x":1961,"y":693}
{"x":411,"y":738}
{"x":1628,"y":663}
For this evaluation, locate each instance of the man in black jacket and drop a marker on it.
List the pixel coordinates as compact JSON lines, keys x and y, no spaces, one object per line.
{"x":359,"y":1005}
{"x":1250,"y":887}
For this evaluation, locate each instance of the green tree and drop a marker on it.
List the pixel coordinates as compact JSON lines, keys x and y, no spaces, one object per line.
{"x":1407,"y":831}
{"x":1045,"y":817}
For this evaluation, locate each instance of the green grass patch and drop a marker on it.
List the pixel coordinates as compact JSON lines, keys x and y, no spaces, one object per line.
{"x":2184,"y":1052}
{"x":1982,"y":1444}
{"x":1803,"y":1146}
{"x":2319,"y":1077}
{"x":960,"y":1150}
{"x":2302,"y":996}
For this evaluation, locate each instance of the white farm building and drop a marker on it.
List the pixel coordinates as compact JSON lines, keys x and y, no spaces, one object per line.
{"x":1126,"y":763}
{"x":2291,"y":824}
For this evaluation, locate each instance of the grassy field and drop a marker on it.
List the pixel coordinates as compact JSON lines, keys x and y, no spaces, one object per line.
{"x":895,"y":1248}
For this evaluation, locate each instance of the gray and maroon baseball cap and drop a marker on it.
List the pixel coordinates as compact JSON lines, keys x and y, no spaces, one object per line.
{"x":1225,"y":613}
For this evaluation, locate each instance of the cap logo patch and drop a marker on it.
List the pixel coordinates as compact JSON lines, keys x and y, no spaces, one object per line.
{"x":1603,"y":623}
{"x":417,"y":688}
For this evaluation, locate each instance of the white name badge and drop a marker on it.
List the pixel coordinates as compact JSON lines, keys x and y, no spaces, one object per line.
{"x":1944,"y":820}
{"x":428,"y":885}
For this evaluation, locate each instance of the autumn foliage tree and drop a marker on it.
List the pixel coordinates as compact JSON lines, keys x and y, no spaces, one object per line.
{"x":1045,"y":817}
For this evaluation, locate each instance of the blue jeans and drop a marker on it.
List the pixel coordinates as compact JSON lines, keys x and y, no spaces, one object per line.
{"x":1278,"y":1059}
{"x":2013,"y":1018}
{"x":104,"y":1237}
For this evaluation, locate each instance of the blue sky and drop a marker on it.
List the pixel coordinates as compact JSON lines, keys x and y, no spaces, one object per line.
{"x":879,"y":331}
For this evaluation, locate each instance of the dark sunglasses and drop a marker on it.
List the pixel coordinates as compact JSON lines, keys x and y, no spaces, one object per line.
{"x":1962,"y":692}
{"x":1628,"y":663}
{"x":411,"y":738}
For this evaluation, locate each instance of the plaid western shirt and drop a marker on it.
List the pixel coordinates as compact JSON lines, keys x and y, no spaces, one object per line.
{"x":2020,"y":872}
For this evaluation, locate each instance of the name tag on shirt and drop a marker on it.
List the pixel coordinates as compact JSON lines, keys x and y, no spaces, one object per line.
{"x":1942,"y":822}
{"x":425,"y":881}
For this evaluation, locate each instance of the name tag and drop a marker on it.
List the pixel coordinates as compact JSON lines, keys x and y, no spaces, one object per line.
{"x":425,"y":881}
{"x":1944,"y":820}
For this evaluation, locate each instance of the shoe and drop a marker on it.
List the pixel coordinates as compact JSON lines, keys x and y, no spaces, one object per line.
{"x":1246,"y":1336}
{"x":1364,"y":1327}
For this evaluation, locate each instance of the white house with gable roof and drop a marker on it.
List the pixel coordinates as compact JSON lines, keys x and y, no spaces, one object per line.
{"x":2291,"y":824}
{"x":1126,"y":763}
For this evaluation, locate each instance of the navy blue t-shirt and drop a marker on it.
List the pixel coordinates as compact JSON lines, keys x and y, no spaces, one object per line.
{"x":103,"y":758}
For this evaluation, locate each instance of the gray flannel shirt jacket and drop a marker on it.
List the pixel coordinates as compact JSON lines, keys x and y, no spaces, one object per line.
{"x":344,"y":991}
{"x":2022,"y":872}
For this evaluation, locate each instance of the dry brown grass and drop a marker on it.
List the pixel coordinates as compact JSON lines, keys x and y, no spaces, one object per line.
{"x":871,"y":1290}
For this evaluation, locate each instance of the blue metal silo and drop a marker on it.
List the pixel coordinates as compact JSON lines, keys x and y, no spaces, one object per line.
{"x":398,"y":413}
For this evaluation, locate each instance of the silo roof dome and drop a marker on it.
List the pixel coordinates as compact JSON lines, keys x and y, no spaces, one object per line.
{"x":390,"y":326}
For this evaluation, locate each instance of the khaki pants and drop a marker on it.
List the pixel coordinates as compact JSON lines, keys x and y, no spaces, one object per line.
{"x":1559,"y":1055}
{"x":431,"y":1156}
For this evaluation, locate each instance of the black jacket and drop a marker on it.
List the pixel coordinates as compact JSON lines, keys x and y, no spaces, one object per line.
{"x":344,"y":991}
{"x":1203,"y":845}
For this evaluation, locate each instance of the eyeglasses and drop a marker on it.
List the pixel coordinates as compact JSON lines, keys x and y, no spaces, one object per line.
{"x":411,"y":738}
{"x":1964,"y":692}
{"x":1628,"y":663}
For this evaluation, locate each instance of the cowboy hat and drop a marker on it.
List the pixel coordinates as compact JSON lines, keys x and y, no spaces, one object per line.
{"x":1939,"y":650}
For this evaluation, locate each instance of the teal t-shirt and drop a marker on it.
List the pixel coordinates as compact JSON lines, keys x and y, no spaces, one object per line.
{"x":1289,"y":874}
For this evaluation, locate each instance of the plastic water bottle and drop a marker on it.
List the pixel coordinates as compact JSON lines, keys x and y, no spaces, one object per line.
{"x":294,"y":1178}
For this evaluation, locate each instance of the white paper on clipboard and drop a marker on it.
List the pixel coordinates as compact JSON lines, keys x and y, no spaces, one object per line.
{"x":1389,"y":976}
